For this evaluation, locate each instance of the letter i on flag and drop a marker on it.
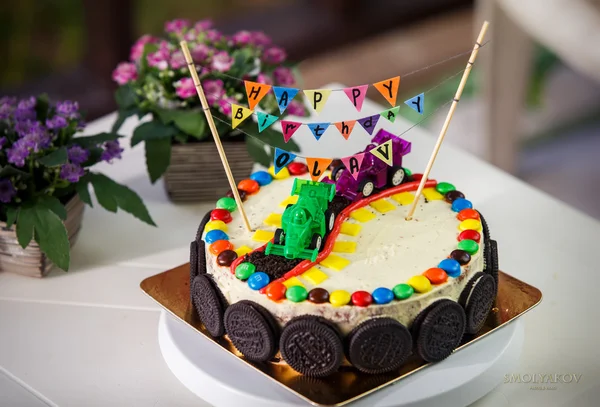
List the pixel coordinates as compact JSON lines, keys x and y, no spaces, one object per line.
{"x":353,"y":164}
{"x":238,"y":114}
{"x":389,"y":89}
{"x":345,"y":128}
{"x":289,"y":128}
{"x":265,"y":120}
{"x":317,"y":98}
{"x":416,"y":103}
{"x":255,"y":91}
{"x":281,"y":159}
{"x":317,"y":166}
{"x":357,"y":95}
{"x":384,"y":152}
{"x":284,"y":96}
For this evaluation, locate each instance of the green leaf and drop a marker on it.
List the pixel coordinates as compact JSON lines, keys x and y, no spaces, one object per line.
{"x":11,"y":215}
{"x":256,"y":149}
{"x":55,"y":158}
{"x":158,"y":157}
{"x":41,"y":107}
{"x":52,"y":203}
{"x":125,"y":96}
{"x":105,"y":197}
{"x":192,"y":122}
{"x":83,"y":191}
{"x":91,"y":141}
{"x":152,"y":131}
{"x":51,"y":235}
{"x":25,"y":222}
{"x":8,"y":171}
{"x":123,"y":115}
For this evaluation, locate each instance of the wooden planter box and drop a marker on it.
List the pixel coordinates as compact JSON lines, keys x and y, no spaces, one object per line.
{"x":196,"y":172}
{"x":31,"y":261}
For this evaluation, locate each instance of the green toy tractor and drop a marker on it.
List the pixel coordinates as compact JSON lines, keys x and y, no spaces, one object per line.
{"x":305,"y":223}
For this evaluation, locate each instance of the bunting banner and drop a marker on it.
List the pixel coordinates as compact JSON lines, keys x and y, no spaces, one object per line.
{"x":384,"y":152}
{"x":289,"y":128}
{"x":317,"y":98}
{"x":318,"y":129}
{"x":345,"y":127}
{"x":391,"y":114}
{"x":281,"y":159}
{"x":265,"y":120}
{"x":357,"y":95}
{"x":317,"y":167}
{"x":255,"y":92}
{"x":239,"y":114}
{"x":284,"y":96}
{"x":416,"y":103}
{"x":389,"y":89}
{"x":368,"y":123}
{"x":353,"y":164}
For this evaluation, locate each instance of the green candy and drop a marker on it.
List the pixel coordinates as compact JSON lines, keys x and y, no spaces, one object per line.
{"x":469,"y":246}
{"x":227,"y":203}
{"x":403,"y":291}
{"x":296,"y":293}
{"x":244,"y":270}
{"x":444,"y":187}
{"x":407,"y":172}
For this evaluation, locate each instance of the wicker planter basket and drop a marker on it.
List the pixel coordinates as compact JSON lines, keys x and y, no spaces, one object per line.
{"x":31,"y":261}
{"x":196,"y":173}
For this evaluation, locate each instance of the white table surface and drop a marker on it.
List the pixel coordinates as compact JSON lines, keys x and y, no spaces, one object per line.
{"x":89,"y":336}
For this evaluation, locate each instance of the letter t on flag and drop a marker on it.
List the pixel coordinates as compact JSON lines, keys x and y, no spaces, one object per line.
{"x":238,"y":114}
{"x":255,"y":91}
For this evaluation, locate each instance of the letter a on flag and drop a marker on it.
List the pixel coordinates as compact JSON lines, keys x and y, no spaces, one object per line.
{"x":357,"y":95}
{"x":416,"y":103}
{"x":255,"y":92}
{"x":317,"y":167}
{"x":389,"y":89}
{"x":391,"y":114}
{"x":353,"y":163}
{"x":289,"y":128}
{"x":265,"y":120}
{"x":284,"y":96}
{"x":281,"y":159}
{"x":238,"y":114}
{"x":318,"y":129}
{"x":317,"y":98}
{"x":384,"y":152}
{"x":345,"y":128}
{"x":368,"y":123}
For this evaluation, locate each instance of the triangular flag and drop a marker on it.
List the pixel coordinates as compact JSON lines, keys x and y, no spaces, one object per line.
{"x":416,"y":103}
{"x":318,"y":129}
{"x":284,"y":96}
{"x":317,"y":166}
{"x":255,"y":91}
{"x":353,"y":164}
{"x":389,"y":89}
{"x":289,"y":128}
{"x":238,"y":114}
{"x":391,"y":114}
{"x":317,"y":98}
{"x":357,"y":95}
{"x":384,"y":152}
{"x":345,"y":128}
{"x":281,"y":159}
{"x":368,"y":123}
{"x":265,"y":120}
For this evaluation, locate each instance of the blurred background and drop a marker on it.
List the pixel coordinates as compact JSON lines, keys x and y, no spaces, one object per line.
{"x":532,"y":107}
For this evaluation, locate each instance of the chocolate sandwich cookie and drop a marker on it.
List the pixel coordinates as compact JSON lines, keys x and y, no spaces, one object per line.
{"x":441,"y":330}
{"x":208,"y":304}
{"x":494,"y":265}
{"x":416,"y":324}
{"x":485,"y":228}
{"x":477,"y":299}
{"x":201,"y":226}
{"x":193,"y":260}
{"x":378,"y":345}
{"x":201,"y":257}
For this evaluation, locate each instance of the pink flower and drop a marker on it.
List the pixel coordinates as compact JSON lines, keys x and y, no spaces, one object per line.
{"x":203,"y":25}
{"x":225,"y":106}
{"x":165,"y":46}
{"x":177,"y":26}
{"x":296,"y":108}
{"x":213,"y":88}
{"x":242,"y":38}
{"x":264,"y":78}
{"x":260,"y":39}
{"x":138,"y":48}
{"x":283,"y":76}
{"x":274,"y":55}
{"x":177,"y":60}
{"x":159,"y":59}
{"x":222,"y":61}
{"x":200,"y":52}
{"x":214,"y":35}
{"x":185,"y":88}
{"x":124,"y":72}
{"x":191,"y":35}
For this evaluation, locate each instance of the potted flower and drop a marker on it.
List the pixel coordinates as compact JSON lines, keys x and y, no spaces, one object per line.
{"x":44,"y":181}
{"x":177,"y":139}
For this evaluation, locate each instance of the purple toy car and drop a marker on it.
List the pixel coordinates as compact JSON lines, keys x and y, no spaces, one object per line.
{"x":374,"y":173}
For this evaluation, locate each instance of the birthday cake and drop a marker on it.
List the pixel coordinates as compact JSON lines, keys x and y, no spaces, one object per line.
{"x":334,"y":274}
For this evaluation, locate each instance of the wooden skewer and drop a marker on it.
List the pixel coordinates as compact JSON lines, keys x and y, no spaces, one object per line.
{"x":440,"y":139}
{"x":213,"y":130}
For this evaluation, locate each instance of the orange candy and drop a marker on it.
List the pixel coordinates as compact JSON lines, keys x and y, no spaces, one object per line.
{"x":436,"y":275}
{"x":220,"y":245}
{"x":249,"y":186}
{"x":276,"y":291}
{"x":468,"y":214}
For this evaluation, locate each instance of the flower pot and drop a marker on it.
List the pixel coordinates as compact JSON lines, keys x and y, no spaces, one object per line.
{"x":196,"y":172}
{"x":31,"y":261}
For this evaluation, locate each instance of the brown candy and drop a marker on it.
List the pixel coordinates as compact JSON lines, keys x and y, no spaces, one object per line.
{"x":461,"y":256}
{"x":226,"y":257}
{"x":243,"y":194}
{"x":451,"y":196}
{"x":318,"y":295}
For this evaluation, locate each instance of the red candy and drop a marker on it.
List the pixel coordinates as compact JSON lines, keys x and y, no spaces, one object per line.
{"x":276,"y":291}
{"x":297,"y":168}
{"x":468,"y":214}
{"x":436,"y":275}
{"x":249,"y":186}
{"x":469,"y":234}
{"x":361,"y":298}
{"x":220,"y":214}
{"x":220,"y":245}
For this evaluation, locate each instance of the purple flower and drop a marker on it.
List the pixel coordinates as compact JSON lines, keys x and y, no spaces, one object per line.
{"x":124,"y":72}
{"x":213,"y":90}
{"x":214,"y":35}
{"x":111,"y":151}
{"x":200,"y":52}
{"x":159,"y":59}
{"x":203,"y":25}
{"x":177,"y":26}
{"x":7,"y":191}
{"x":225,"y":106}
{"x":25,"y":110}
{"x":283,"y":76}
{"x":222,"y":61}
{"x":56,"y":123}
{"x":274,"y":55}
{"x":177,"y":60}
{"x":71,"y":172}
{"x":185,"y":88}
{"x":68,"y":109}
{"x":27,"y":104}
{"x":3,"y":141}
{"x":260,"y":39}
{"x":17,"y":153}
{"x":138,"y":48}
{"x":242,"y":38}
{"x":7,"y":105}
{"x":264,"y":78}
{"x":37,"y":138}
{"x":78,"y":155}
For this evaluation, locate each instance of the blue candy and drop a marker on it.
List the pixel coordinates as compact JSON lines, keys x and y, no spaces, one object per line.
{"x":382,"y":295}
{"x":258,"y":280}
{"x":262,"y":177}
{"x":451,"y":267}
{"x":460,"y":204}
{"x":215,"y":235}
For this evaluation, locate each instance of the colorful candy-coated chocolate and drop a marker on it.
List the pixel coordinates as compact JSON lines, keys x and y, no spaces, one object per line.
{"x":258,"y":280}
{"x":226,"y":257}
{"x":227,"y":204}
{"x":244,"y":270}
{"x":452,"y":196}
{"x":436,"y":275}
{"x":318,"y":295}
{"x":469,"y":234}
{"x":262,"y":177}
{"x":339,"y":298}
{"x":444,"y":187}
{"x":282,"y":174}
{"x":296,"y":293}
{"x":460,"y":256}
{"x":276,"y":291}
{"x":382,"y":295}
{"x":451,"y":267}
{"x":460,"y":204}
{"x":408,"y":172}
{"x":214,"y":235}
{"x":249,"y":185}
{"x":361,"y":298}
{"x":297,"y":168}
{"x":403,"y":291}
{"x":420,"y":283}
{"x":470,"y":224}
{"x":468,"y":214}
{"x":222,"y":215}
{"x":215,"y":225}
{"x":219,"y":246}
{"x":469,"y":246}
{"x":243,"y":194}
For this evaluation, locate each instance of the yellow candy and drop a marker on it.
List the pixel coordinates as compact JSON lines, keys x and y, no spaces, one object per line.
{"x":283,"y":174}
{"x":470,"y":224}
{"x":420,"y":284}
{"x":263,"y":236}
{"x":215,"y":225}
{"x":339,"y":298}
{"x":314,"y":276}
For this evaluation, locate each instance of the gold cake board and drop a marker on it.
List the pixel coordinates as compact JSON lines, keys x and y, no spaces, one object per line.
{"x":170,"y":289}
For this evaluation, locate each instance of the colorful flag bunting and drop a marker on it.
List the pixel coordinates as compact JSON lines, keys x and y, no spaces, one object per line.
{"x":317,"y":98}
{"x":255,"y":92}
{"x":317,"y":166}
{"x":281,"y":159}
{"x":238,"y":114}
{"x":353,"y":164}
{"x":284,"y":96}
{"x":345,"y":128}
{"x":289,"y":128}
{"x":357,"y":95}
{"x":265,"y":120}
{"x":416,"y":103}
{"x":391,"y":114}
{"x":368,"y":123}
{"x":384,"y":152}
{"x":389,"y":89}
{"x":318,"y":129}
